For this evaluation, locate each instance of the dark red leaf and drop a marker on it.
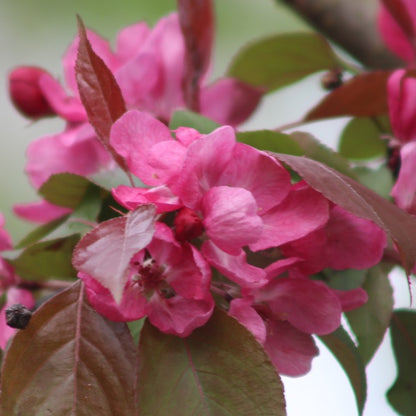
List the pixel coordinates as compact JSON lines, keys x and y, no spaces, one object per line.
{"x":359,"y":200}
{"x":197,"y":23}
{"x":99,"y":91}
{"x":365,"y":95}
{"x":401,"y":15}
{"x":70,"y":361}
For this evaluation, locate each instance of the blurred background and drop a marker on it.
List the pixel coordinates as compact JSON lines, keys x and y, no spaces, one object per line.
{"x":37,"y":32}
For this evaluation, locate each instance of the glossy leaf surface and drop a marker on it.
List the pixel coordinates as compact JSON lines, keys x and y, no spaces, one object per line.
{"x":218,"y":370}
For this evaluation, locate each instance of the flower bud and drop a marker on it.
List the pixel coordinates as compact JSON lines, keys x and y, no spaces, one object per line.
{"x":188,"y":225}
{"x":26,"y":93}
{"x":18,"y":316}
{"x":332,"y":79}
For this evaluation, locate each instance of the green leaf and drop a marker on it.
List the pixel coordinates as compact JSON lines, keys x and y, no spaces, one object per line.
{"x":344,"y":350}
{"x":70,"y":361}
{"x":184,"y":118}
{"x":47,"y":260}
{"x":361,"y":201}
{"x":283,"y":59}
{"x":219,"y":370}
{"x":360,"y":139}
{"x":343,"y":279}
{"x":316,"y":150}
{"x":66,"y":189}
{"x":380,"y":180}
{"x":270,"y":140}
{"x":370,"y":322}
{"x":136,"y":329}
{"x":403,"y":335}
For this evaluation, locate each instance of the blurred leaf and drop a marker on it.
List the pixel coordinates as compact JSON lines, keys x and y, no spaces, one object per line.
{"x":183,"y":118}
{"x":365,"y":95}
{"x":67,"y":189}
{"x":47,"y":260}
{"x":403,"y":334}
{"x":360,"y":201}
{"x":380,"y":180}
{"x":316,"y":150}
{"x":270,"y":140}
{"x":343,"y":279}
{"x":197,"y":23}
{"x":344,"y":350}
{"x":360,"y":139}
{"x":135,"y":328}
{"x":99,"y":91}
{"x":370,"y":322}
{"x":219,"y":370}
{"x":105,"y":252}
{"x":282,"y":60}
{"x":70,"y":361}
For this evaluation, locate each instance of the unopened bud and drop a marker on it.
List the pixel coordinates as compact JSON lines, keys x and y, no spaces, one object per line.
{"x":332,"y":79}
{"x":26,"y":93}
{"x":18,"y":316}
{"x":188,"y":225}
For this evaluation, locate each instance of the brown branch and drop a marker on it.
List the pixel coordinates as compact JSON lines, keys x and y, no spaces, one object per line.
{"x":351,"y":24}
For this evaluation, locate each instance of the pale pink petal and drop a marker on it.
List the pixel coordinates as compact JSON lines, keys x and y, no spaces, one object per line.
{"x":290,"y":350}
{"x":230,"y":218}
{"x":235,"y":267}
{"x":229,"y":101}
{"x":260,"y":174}
{"x":242,"y":310}
{"x":14,"y":295}
{"x":204,"y":164}
{"x":303,"y":211}
{"x":40,"y":212}
{"x":310,"y":306}
{"x":404,"y":191}
{"x":179,"y":316}
{"x":393,"y":35}
{"x":68,"y":107}
{"x":161,"y":196}
{"x":187,"y":135}
{"x":352,"y":242}
{"x":130,"y":40}
{"x":133,"y":136}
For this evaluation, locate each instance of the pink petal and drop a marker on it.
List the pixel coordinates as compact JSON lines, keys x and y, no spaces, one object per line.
{"x":179,"y":316}
{"x":235,"y":267}
{"x":229,"y":101}
{"x":230,"y":218}
{"x":242,"y":310}
{"x":351,"y":299}
{"x":404,"y":191}
{"x":310,"y":306}
{"x":40,"y":212}
{"x":133,"y":136}
{"x":5,"y":239}
{"x":303,"y":211}
{"x":130,"y":40}
{"x":290,"y":350}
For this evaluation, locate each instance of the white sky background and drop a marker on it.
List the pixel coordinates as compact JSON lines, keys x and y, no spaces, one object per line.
{"x":28,"y":37}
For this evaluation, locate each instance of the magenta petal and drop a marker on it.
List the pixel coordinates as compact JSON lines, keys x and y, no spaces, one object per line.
{"x":14,"y":295}
{"x":40,"y":212}
{"x":303,"y":211}
{"x":404,"y":191}
{"x":179,"y":316}
{"x":235,"y":267}
{"x":242,"y":310}
{"x":353,"y":242}
{"x":351,"y":299}
{"x":229,"y":101}
{"x":133,"y":136}
{"x":290,"y":350}
{"x":230,"y":218}
{"x":309,"y":306}
{"x":204,"y":164}
{"x":5,"y":239}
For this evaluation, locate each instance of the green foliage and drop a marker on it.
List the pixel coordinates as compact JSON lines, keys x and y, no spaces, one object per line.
{"x":218,"y":370}
{"x":184,"y":118}
{"x":343,"y":348}
{"x":283,"y":59}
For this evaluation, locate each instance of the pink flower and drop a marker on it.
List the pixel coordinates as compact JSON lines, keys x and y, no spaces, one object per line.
{"x":401,"y":90}
{"x":168,"y":282}
{"x":399,"y":35}
{"x":9,"y":288}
